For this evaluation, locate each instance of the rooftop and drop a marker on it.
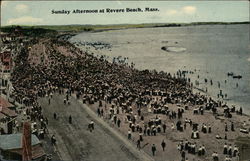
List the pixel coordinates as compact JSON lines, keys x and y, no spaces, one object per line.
{"x":5,"y":103}
{"x":14,"y":141}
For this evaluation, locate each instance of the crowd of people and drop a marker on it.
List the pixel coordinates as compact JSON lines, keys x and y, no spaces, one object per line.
{"x":117,"y":88}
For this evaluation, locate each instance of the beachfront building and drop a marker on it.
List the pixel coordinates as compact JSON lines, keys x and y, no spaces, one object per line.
{"x":5,"y":71}
{"x":13,"y":35}
{"x":6,"y":60}
{"x":7,"y":37}
{"x":7,"y":116}
{"x":11,"y":147}
{"x":244,"y":147}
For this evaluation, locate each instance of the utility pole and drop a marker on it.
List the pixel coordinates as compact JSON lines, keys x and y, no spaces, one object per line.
{"x":1,"y":77}
{"x":26,"y":142}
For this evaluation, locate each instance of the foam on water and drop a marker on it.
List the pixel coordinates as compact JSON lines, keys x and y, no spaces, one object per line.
{"x":175,"y":49}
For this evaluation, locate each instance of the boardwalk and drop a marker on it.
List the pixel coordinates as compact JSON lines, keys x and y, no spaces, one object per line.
{"x":76,"y":142}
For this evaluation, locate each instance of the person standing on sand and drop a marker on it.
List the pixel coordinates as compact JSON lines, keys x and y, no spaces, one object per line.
{"x":232,"y":126}
{"x":153,"y":149}
{"x":129,"y":134}
{"x":89,"y":127}
{"x":118,"y":122}
{"x":98,"y":112}
{"x":226,"y":129}
{"x":203,"y":150}
{"x":55,"y":116}
{"x":183,"y":155}
{"x":235,"y":151}
{"x":164,"y":128}
{"x":240,"y":111}
{"x":172,"y":126}
{"x":140,"y":136}
{"x":138,"y":144}
{"x":92,"y":124}
{"x":199,"y":151}
{"x":209,"y":128}
{"x":163,"y":145}
{"x":215,"y":156}
{"x":70,"y":119}
{"x":53,"y":140}
{"x":230,"y":150}
{"x":225,"y":149}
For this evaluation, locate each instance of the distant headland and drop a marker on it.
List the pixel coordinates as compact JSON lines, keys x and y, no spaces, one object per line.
{"x":98,"y":28}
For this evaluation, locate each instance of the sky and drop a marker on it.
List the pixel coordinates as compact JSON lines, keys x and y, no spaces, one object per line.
{"x":40,"y":12}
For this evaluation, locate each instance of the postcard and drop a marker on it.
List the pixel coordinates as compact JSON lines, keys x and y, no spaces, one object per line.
{"x":125,"y":80}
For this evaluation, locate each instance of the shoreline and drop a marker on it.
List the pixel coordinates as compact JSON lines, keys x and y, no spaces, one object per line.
{"x":214,"y":98}
{"x":232,"y":101}
{"x":158,"y":97}
{"x":204,"y":93}
{"x":198,"y":91}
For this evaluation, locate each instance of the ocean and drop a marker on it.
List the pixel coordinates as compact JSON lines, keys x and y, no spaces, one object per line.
{"x":205,"y":52}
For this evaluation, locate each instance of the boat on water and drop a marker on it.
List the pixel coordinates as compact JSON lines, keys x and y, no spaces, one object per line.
{"x":230,"y":74}
{"x":234,"y":76}
{"x":237,"y":76}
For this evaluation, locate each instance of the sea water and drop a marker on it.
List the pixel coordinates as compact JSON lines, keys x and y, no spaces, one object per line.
{"x":208,"y":51}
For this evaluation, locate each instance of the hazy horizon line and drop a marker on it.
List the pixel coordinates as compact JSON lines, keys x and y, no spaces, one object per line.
{"x":227,"y":22}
